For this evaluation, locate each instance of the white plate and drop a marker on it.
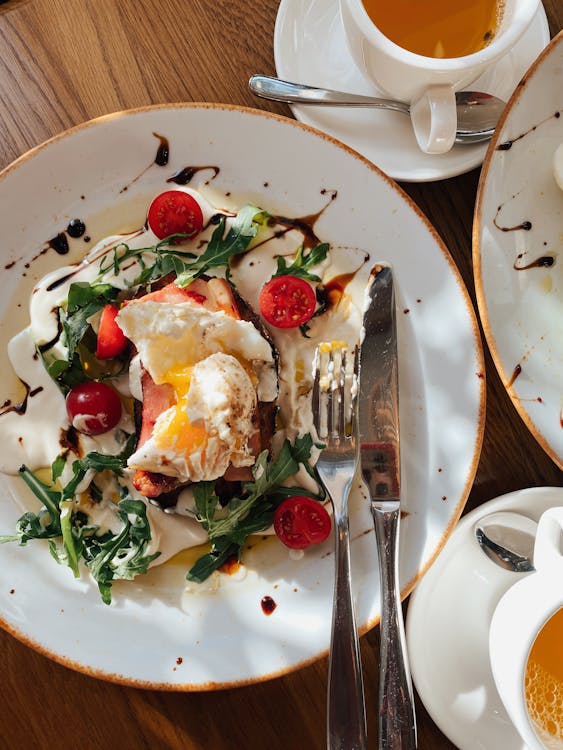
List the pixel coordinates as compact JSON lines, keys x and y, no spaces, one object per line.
{"x":156,"y":633}
{"x":447,"y":628}
{"x":522,"y":310}
{"x":310,"y":47}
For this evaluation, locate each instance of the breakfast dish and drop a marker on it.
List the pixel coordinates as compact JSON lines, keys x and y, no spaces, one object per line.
{"x":310,"y":48}
{"x":151,"y":385}
{"x":447,"y":630}
{"x":516,"y":250}
{"x":242,"y":623}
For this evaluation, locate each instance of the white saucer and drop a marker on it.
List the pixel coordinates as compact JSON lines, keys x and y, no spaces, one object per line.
{"x":448,"y":630}
{"x":309,"y":47}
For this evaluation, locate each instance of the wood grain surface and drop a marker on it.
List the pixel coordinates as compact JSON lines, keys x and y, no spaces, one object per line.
{"x":63,"y":62}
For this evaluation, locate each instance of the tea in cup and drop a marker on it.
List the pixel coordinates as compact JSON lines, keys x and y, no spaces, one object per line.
{"x":526,"y":642}
{"x":422,"y":52}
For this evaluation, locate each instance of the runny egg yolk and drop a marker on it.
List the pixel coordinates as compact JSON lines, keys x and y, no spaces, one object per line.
{"x":178,"y":433}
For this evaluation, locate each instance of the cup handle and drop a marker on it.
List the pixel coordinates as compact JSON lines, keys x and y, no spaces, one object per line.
{"x":548,"y":549}
{"x":434,"y":119}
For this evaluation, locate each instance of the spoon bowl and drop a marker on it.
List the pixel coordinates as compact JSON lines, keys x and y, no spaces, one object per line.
{"x":508,"y":540}
{"x":477,"y":113}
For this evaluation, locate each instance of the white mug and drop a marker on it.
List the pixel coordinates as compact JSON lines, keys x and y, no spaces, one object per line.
{"x":518,"y":619}
{"x":428,"y":84}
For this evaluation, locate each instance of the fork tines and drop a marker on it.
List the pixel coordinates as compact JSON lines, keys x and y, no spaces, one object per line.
{"x":335,"y":385}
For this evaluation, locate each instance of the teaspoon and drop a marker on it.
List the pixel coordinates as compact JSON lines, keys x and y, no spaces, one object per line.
{"x":508,"y":540}
{"x":477,"y":113}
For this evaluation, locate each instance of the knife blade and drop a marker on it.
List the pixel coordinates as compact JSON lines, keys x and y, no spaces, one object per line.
{"x":380,"y":460}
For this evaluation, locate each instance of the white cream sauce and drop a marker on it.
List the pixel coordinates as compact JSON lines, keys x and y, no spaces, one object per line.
{"x":34,"y":438}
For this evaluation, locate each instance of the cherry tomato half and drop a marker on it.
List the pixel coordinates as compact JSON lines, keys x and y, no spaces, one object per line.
{"x":111,"y":339}
{"x":301,"y":521}
{"x":93,"y":408}
{"x":175,"y":212}
{"x":287,"y":301}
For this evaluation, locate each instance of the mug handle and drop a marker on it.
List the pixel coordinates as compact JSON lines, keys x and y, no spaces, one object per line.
{"x":434,"y":119}
{"x":548,"y":549}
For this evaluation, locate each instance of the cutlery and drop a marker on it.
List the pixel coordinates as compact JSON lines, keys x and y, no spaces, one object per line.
{"x":378,"y":418}
{"x":508,"y":539}
{"x":477,"y":113}
{"x":334,"y":417}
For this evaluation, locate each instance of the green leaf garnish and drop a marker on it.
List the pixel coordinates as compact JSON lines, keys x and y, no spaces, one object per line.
{"x":253,"y":511}
{"x":222,"y":247}
{"x":303,"y":264}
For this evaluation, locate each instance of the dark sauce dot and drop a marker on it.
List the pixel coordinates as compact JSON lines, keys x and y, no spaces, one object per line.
{"x":59,"y":243}
{"x":504,"y":146}
{"x":87,"y":238}
{"x":163,"y":151}
{"x":179,"y":660}
{"x":268,"y":605}
{"x":76,"y":228}
{"x":516,"y":372}
{"x":185,"y":175}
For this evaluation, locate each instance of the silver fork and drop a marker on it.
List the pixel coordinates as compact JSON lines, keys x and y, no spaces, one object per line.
{"x":337,"y":464}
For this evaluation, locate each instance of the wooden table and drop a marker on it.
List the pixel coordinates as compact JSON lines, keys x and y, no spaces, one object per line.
{"x":63,"y":62}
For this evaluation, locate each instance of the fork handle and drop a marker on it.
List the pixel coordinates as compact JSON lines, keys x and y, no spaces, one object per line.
{"x":346,"y":729}
{"x":397,"y":724}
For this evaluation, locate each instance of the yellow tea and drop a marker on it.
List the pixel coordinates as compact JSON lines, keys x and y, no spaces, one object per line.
{"x":544,"y":683}
{"x":437,"y":28}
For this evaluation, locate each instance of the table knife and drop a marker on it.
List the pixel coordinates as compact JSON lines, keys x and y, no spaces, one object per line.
{"x":378,"y":427}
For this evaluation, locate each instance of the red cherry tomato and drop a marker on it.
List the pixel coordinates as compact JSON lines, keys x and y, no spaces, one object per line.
{"x":93,"y":408}
{"x":287,"y":301}
{"x":111,"y":339}
{"x":301,"y":521}
{"x":175,"y":212}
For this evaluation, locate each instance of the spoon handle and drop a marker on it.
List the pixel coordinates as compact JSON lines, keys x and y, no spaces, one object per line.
{"x":269,"y":87}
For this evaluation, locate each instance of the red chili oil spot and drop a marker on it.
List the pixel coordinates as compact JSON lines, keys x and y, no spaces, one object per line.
{"x":268,"y":605}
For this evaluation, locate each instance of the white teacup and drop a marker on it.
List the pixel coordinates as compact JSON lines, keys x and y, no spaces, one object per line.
{"x":518,"y":620}
{"x":428,"y":84}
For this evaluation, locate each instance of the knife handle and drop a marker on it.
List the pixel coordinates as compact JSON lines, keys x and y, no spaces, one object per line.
{"x":397,"y":723}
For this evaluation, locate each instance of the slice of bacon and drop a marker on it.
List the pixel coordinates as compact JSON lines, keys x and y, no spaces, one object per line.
{"x":215,"y":295}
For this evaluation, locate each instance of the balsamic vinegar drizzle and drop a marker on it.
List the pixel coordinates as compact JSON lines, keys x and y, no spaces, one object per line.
{"x":545,"y":261}
{"x":20,"y":408}
{"x":515,"y":373}
{"x":185,"y":175}
{"x":161,"y":159}
{"x":507,"y":145}
{"x":59,"y":244}
{"x":163,"y":151}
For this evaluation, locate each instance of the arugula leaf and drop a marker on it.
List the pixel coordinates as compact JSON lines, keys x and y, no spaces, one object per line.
{"x":166,"y":251}
{"x":221,"y":248}
{"x":302,"y":264}
{"x":123,"y":555}
{"x":253,"y":511}
{"x":205,"y":565}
